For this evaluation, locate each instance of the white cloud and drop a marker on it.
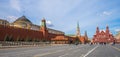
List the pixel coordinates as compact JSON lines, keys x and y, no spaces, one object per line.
{"x":117,"y":30}
{"x":11,"y":18}
{"x":15,"y":4}
{"x":49,"y":23}
{"x":105,"y":13}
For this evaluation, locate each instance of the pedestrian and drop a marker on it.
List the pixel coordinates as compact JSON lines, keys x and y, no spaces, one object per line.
{"x":91,"y":43}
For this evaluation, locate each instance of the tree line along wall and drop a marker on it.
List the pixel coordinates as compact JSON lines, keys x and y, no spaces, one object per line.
{"x":9,"y":33}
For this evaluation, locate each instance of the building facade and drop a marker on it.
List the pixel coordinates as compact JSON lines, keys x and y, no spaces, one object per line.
{"x":4,"y":22}
{"x":103,"y":36}
{"x":117,"y":36}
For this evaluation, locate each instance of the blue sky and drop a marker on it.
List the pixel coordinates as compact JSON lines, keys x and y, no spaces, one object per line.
{"x":64,"y":14}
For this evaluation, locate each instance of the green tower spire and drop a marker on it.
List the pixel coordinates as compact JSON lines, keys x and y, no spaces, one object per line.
{"x":43,"y":23}
{"x":77,"y":25}
{"x":78,"y":30}
{"x":86,"y":35}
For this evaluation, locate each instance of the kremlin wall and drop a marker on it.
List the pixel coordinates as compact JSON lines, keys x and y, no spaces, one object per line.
{"x":23,"y":30}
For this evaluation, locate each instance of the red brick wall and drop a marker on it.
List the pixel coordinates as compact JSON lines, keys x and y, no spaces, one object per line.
{"x":19,"y":32}
{"x":24,"y":34}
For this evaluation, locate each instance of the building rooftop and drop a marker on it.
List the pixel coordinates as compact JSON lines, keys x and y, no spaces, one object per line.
{"x":23,"y":19}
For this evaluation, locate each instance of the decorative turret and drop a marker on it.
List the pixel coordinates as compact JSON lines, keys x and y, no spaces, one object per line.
{"x":43,"y":24}
{"x":86,"y":37}
{"x":107,"y":29}
{"x":97,"y":30}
